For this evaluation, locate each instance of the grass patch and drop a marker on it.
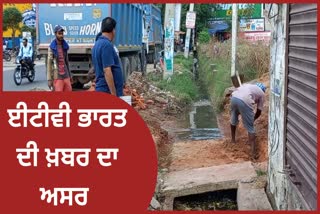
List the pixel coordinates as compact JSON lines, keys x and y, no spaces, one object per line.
{"x":181,"y":84}
{"x":261,"y":173}
{"x":180,"y":61}
{"x":215,"y":82}
{"x":253,"y":61}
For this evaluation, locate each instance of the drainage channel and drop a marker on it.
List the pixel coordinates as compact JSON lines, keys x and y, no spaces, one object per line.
{"x":217,"y":200}
{"x":200,"y":123}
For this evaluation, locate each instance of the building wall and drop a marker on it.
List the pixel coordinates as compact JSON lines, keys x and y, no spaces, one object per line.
{"x":265,"y":11}
{"x":282,"y":193}
{"x":276,"y":179}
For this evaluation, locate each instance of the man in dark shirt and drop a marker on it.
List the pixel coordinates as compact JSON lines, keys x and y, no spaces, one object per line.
{"x":58,"y":72}
{"x":106,"y":62}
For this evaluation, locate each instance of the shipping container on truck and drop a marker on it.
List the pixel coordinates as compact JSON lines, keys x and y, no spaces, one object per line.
{"x":155,"y":32}
{"x":82,"y":22}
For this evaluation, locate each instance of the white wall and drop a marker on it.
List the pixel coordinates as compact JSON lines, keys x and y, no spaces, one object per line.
{"x":276,"y":180}
{"x":281,"y":192}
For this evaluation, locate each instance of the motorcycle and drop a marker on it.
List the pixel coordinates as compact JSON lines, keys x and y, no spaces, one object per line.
{"x":37,"y":55}
{"x":23,"y":70}
{"x":6,"y":56}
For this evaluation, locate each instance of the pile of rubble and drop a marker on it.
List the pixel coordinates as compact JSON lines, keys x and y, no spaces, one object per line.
{"x":145,"y":94}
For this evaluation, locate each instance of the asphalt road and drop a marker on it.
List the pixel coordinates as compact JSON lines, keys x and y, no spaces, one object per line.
{"x":40,"y":80}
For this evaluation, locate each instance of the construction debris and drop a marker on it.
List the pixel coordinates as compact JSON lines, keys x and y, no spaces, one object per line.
{"x":145,"y":94}
{"x":137,"y":100}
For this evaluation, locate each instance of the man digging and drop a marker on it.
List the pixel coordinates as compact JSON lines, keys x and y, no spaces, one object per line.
{"x":243,"y":100}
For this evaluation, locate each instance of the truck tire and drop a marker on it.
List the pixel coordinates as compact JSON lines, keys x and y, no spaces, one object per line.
{"x":150,"y":58}
{"x":143,"y":61}
{"x":137,"y":58}
{"x":133,"y":63}
{"x":126,"y":68}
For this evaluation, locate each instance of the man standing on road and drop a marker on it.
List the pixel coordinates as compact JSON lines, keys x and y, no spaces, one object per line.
{"x":242,"y":102}
{"x":106,"y":63}
{"x":58,"y":72}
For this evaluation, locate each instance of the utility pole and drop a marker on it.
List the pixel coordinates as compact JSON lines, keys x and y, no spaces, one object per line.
{"x":177,"y":17}
{"x":234,"y":73}
{"x":193,"y":37}
{"x":187,"y":40}
{"x":169,"y":39}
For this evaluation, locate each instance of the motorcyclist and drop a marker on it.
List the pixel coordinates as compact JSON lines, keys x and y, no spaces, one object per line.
{"x":26,"y":54}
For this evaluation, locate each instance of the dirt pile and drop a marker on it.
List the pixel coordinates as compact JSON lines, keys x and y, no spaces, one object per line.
{"x":159,"y":107}
{"x":145,"y":94}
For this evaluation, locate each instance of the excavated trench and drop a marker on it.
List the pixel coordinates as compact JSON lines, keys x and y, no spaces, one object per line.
{"x":205,"y":173}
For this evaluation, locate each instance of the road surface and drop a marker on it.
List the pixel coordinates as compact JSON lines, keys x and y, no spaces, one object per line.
{"x":40,"y":80}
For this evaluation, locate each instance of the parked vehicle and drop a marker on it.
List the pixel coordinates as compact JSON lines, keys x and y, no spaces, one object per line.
{"x":82,"y":22}
{"x":36,"y":55}
{"x":154,"y":42}
{"x":6,"y":55}
{"x":14,"y":52}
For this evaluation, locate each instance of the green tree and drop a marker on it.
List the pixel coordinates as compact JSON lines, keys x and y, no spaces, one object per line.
{"x":204,"y":36}
{"x":11,"y":20}
{"x":26,"y":28}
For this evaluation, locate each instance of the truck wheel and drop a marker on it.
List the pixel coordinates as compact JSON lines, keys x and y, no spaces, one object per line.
{"x":126,"y":68}
{"x":133,"y":63}
{"x":143,"y":63}
{"x":150,"y":58}
{"x":137,"y":58}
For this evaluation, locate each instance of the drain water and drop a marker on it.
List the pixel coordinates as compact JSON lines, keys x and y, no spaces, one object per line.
{"x":200,"y":123}
{"x":217,"y":200}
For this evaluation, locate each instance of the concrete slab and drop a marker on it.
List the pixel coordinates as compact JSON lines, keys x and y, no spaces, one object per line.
{"x":201,"y":180}
{"x":251,"y":198}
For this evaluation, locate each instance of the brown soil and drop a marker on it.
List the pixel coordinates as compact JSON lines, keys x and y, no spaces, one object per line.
{"x":160,"y":108}
{"x":160,"y":136}
{"x":197,"y":154}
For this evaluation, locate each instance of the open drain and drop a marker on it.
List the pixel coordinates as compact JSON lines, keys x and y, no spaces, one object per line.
{"x":199,"y":134}
{"x":217,"y":200}
{"x":201,"y":123}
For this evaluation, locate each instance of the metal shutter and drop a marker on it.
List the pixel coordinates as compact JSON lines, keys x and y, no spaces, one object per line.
{"x":301,"y":122}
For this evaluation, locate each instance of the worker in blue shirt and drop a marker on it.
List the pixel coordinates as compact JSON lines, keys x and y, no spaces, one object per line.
{"x":106,"y":63}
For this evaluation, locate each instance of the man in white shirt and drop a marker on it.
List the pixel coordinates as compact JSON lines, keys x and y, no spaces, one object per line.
{"x":26,"y":52}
